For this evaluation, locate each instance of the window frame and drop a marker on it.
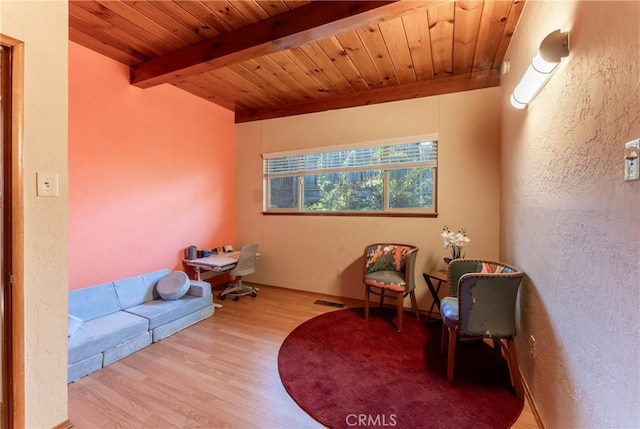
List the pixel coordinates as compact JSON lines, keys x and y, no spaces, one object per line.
{"x":386,"y":211}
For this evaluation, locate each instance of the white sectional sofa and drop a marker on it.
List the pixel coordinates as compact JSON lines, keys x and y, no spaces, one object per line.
{"x":112,"y":320}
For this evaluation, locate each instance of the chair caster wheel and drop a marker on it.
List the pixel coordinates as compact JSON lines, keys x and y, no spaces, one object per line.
{"x":253,"y":294}
{"x":223,"y":297}
{"x":236,"y":298}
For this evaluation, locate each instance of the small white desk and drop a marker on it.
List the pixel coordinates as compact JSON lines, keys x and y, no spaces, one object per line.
{"x":213,"y":265}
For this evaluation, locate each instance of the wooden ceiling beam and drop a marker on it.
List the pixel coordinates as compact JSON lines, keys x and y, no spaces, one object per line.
{"x":444,"y":85}
{"x":312,"y":22}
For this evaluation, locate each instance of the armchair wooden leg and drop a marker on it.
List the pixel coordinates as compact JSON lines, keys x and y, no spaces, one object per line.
{"x":513,"y":368}
{"x":414,"y":303}
{"x":443,"y":338}
{"x":453,"y":339}
{"x":497,"y":346}
{"x":400,"y":310}
{"x":366,"y":302}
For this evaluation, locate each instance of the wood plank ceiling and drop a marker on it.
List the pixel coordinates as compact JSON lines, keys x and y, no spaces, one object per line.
{"x":272,"y":58}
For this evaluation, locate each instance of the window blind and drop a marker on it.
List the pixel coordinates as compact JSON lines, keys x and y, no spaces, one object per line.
{"x":381,"y":157}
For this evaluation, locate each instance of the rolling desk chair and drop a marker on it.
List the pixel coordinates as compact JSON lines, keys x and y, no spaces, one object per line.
{"x":246,"y":265}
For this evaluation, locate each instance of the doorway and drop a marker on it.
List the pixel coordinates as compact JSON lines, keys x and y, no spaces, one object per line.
{"x":11,"y":234}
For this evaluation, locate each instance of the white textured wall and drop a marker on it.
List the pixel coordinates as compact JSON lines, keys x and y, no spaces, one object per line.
{"x":42,"y":25}
{"x":570,"y":221}
{"x":304,"y":252}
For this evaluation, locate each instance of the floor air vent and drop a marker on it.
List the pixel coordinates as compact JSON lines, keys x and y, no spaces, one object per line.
{"x":329,"y":303}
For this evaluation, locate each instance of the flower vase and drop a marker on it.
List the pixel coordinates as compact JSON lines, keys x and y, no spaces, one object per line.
{"x":447,"y":260}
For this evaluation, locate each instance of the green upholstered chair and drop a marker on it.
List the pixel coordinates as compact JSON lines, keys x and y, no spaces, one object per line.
{"x":482,"y":304}
{"x":389,"y":267}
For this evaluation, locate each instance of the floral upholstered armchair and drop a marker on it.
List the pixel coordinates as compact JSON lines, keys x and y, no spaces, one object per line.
{"x":389,"y":267}
{"x":482,"y":304}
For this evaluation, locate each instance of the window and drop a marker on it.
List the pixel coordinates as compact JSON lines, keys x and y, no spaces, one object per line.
{"x":396,"y":177}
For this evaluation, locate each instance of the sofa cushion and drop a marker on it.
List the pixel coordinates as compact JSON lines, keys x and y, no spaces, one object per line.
{"x":125,"y":349}
{"x":173,"y":286}
{"x":137,"y":290}
{"x":162,"y":332}
{"x":199,"y":288}
{"x":73,"y":323}
{"x":160,"y":311}
{"x":98,"y":335}
{"x":93,"y":302}
{"x":83,"y":367}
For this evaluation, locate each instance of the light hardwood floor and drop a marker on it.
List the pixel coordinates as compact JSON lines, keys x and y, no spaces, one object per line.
{"x":219,"y":373}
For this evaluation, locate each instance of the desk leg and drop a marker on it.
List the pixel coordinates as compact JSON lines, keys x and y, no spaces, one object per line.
{"x":436,"y":298}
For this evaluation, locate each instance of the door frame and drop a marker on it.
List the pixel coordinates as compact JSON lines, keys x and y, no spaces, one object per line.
{"x":13,"y":338}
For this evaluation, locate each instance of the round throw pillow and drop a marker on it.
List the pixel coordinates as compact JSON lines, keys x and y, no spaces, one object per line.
{"x":173,"y":286}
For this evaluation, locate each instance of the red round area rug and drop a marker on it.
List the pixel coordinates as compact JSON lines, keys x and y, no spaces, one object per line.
{"x":347,"y":372}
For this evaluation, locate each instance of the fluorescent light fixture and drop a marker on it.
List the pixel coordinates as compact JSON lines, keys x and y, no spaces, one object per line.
{"x":552,"y":49}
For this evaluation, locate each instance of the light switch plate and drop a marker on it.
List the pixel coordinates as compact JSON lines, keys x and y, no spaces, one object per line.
{"x":47,"y":185}
{"x":631,"y":160}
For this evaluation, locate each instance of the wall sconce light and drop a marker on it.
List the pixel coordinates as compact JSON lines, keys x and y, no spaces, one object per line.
{"x":553,"y":48}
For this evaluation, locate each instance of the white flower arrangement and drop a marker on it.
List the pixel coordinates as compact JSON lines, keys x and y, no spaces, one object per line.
{"x":455,"y":240}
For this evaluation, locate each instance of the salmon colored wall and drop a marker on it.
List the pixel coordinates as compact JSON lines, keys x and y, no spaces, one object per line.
{"x":150,"y":173}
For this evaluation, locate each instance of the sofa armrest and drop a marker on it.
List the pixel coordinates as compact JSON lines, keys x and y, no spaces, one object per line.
{"x":199,"y":288}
